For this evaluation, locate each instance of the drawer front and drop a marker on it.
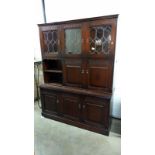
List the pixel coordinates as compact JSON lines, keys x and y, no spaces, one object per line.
{"x":96,"y":112}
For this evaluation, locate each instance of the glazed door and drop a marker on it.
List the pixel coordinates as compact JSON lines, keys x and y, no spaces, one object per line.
{"x":70,"y":107}
{"x":72,"y":36}
{"x":50,"y":42}
{"x":101,"y":38}
{"x":95,"y":112}
{"x":99,"y":74}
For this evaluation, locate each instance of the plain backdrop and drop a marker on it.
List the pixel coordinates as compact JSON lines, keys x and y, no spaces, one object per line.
{"x":136,"y":47}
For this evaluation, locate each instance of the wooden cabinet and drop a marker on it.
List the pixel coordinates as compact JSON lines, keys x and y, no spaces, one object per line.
{"x":94,"y":38}
{"x":90,"y":73}
{"x":81,"y":110}
{"x":78,"y":63}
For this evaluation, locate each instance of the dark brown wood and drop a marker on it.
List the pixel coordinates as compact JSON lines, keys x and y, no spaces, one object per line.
{"x":78,"y":85}
{"x":80,"y":110}
{"x":95,"y":112}
{"x":72,"y":72}
{"x":83,"y":20}
{"x":76,"y":123}
{"x":70,"y":106}
{"x":75,"y":90}
{"x":99,"y":74}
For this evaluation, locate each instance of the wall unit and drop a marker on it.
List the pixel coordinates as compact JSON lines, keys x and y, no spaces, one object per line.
{"x":78,"y":63}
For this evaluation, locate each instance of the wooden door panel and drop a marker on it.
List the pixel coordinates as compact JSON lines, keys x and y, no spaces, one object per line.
{"x":98,"y":77}
{"x":50,"y":103}
{"x":99,"y":74}
{"x":70,"y":107}
{"x":72,"y":72}
{"x":96,"y":112}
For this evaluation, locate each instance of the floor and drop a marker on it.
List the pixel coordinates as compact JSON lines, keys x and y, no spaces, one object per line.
{"x":55,"y":138}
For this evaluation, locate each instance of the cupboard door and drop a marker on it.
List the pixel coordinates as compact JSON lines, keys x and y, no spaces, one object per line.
{"x":101,"y":38}
{"x":50,"y":42}
{"x":99,"y":74}
{"x":72,"y":39}
{"x":96,"y":112}
{"x":73,"y":71}
{"x":50,"y":102}
{"x":71,"y":107}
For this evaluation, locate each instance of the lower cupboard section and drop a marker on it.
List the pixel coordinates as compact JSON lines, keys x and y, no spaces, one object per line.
{"x":84,"y":111}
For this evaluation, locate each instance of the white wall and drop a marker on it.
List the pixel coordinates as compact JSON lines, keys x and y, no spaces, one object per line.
{"x":66,"y":10}
{"x":37,"y":20}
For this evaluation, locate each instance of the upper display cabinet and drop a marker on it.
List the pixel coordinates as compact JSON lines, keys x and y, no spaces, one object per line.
{"x":93,"y":37}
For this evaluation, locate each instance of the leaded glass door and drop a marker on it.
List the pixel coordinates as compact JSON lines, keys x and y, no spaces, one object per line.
{"x":100,"y":38}
{"x":50,"y":40}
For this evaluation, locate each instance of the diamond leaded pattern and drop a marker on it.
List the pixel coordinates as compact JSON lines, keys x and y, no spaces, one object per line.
{"x":100,"y":37}
{"x":51,"y":41}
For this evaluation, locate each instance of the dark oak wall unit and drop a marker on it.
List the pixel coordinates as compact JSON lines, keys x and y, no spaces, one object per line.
{"x":78,"y":63}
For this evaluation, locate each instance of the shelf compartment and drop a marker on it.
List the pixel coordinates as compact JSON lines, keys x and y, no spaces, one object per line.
{"x":52,"y":64}
{"x":53,"y":77}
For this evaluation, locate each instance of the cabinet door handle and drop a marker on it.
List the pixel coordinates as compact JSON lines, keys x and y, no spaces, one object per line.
{"x":84,"y":106}
{"x":87,"y":71}
{"x":58,"y":42}
{"x":79,"y":106}
{"x":57,"y":101}
{"x":82,"y":72}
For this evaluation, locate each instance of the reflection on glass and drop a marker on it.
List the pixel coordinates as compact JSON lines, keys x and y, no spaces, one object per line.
{"x":100,"y":37}
{"x":73,"y":41}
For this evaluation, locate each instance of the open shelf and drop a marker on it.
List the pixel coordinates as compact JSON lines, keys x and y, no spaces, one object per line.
{"x":52,"y":71}
{"x":52,"y":64}
{"x":51,"y":77}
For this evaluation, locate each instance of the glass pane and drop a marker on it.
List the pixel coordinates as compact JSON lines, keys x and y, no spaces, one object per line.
{"x":100,"y":37}
{"x":51,"y":41}
{"x":73,"y":41}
